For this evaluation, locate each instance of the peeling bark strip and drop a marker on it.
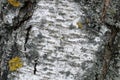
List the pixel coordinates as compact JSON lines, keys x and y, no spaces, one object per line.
{"x":109,"y":50}
{"x":107,"y":57}
{"x":106,"y":4}
{"x":109,"y":47}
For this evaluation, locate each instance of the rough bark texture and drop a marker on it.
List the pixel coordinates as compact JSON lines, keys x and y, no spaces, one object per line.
{"x":9,"y":30}
{"x":45,"y":35}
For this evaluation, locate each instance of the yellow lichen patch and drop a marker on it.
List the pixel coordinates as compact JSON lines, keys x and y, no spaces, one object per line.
{"x":79,"y":24}
{"x":15,"y":63}
{"x":14,"y":3}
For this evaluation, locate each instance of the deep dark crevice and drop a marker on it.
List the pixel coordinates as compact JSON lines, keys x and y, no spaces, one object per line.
{"x":96,"y":76}
{"x":25,"y":13}
{"x":27,"y":35}
{"x":35,"y":66}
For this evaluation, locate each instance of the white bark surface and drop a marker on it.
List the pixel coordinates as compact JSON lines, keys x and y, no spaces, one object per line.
{"x":62,"y":51}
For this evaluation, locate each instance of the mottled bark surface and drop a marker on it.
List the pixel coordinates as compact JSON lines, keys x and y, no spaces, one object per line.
{"x":9,"y":26}
{"x":45,"y":35}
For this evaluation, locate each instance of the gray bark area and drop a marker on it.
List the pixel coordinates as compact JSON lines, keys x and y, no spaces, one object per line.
{"x":45,"y":36}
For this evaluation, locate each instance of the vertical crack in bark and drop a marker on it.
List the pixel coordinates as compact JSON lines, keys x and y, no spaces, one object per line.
{"x":27,"y":35}
{"x":25,"y":13}
{"x":35,"y":65}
